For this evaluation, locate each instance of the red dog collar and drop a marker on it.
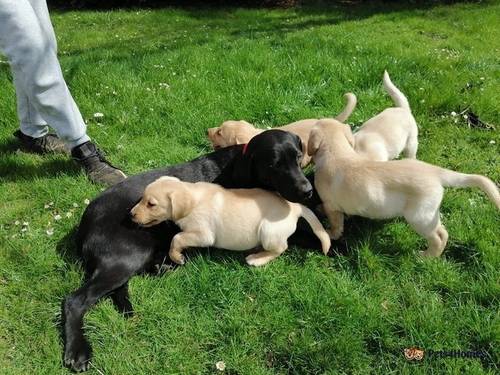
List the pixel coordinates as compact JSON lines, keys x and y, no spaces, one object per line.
{"x":245,"y":148}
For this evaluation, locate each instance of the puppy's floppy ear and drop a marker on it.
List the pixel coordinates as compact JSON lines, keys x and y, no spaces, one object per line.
{"x":181,"y":202}
{"x":168,"y":178}
{"x":241,"y":135}
{"x":239,"y":139}
{"x":315,"y":140}
{"x":348,"y":134}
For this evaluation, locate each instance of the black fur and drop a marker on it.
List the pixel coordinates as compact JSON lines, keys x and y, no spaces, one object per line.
{"x":113,"y":249}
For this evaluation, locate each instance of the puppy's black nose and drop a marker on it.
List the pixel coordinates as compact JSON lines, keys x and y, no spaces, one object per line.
{"x":308,"y":194}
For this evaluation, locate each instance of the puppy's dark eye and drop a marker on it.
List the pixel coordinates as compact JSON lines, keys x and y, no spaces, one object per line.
{"x":151,"y":204}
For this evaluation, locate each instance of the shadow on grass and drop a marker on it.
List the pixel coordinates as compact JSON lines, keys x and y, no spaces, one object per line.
{"x":67,"y":249}
{"x":465,"y":253}
{"x":15,"y":169}
{"x":222,"y":22}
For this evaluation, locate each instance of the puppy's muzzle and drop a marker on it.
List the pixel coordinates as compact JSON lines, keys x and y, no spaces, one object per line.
{"x":306,"y":189}
{"x":308,"y":194}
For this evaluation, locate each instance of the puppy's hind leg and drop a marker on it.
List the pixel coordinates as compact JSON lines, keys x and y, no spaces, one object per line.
{"x":273,"y":248}
{"x":121,"y":300}
{"x":261,"y":258}
{"x":434,"y":248}
{"x":429,"y":226}
{"x":437,"y":241}
{"x":77,"y":350}
{"x":411,"y":148}
{"x":443,"y":234}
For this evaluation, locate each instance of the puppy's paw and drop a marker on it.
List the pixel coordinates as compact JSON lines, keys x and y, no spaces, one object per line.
{"x":336,"y":233}
{"x":428,"y":254}
{"x":177,"y":258}
{"x":256,"y":260}
{"x":251,"y":260}
{"x":77,"y":356}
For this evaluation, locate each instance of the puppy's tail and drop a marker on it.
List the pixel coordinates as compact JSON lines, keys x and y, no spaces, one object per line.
{"x":317,"y":228}
{"x":351,"y":101}
{"x":456,"y":179}
{"x":396,"y":95}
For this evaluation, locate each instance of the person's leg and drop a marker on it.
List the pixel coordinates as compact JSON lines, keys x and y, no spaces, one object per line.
{"x":42,"y":13}
{"x":33,"y":58}
{"x":28,"y":41}
{"x":31,"y":122}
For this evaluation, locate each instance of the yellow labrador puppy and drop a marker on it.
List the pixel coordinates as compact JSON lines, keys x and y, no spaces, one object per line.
{"x":391,"y":132}
{"x":349,"y":183}
{"x":239,"y":132}
{"x":233,"y":219}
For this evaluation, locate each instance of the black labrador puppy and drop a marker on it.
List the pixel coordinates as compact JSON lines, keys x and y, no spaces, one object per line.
{"x":113,"y":249}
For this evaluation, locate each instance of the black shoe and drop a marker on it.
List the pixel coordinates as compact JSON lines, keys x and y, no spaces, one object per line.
{"x":97,"y":168}
{"x":48,"y":144}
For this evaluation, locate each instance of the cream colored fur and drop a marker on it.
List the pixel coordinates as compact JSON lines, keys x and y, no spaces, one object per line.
{"x":233,"y":219}
{"x":239,"y":132}
{"x":349,"y":183}
{"x":391,"y":132}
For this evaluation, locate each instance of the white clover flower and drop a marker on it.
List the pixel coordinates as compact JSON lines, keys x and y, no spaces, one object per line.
{"x":75,"y":204}
{"x":86,"y":201}
{"x":221,"y":366}
{"x":17,"y":222}
{"x":69,"y":214}
{"x":49,"y":231}
{"x":453,"y":113}
{"x":98,"y":115}
{"x":57,"y":217}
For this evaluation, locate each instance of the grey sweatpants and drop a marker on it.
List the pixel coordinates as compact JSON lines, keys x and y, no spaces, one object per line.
{"x":28,"y":40}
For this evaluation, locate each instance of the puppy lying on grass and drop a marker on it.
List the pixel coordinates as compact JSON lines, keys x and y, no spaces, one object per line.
{"x":391,"y":132}
{"x":349,"y":183}
{"x":239,"y":132}
{"x":233,"y":219}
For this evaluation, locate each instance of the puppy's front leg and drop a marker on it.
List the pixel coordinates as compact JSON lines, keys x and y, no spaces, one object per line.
{"x":336,"y":219}
{"x":187,"y":239}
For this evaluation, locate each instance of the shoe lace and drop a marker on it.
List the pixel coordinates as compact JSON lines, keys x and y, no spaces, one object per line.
{"x":101,"y":156}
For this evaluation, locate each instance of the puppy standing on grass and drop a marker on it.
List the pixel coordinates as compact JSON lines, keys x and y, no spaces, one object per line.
{"x":240,"y":132}
{"x":233,"y":219}
{"x":349,"y":183}
{"x":391,"y":132}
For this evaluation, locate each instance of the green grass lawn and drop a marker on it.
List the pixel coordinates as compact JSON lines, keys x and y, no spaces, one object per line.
{"x":161,"y":78}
